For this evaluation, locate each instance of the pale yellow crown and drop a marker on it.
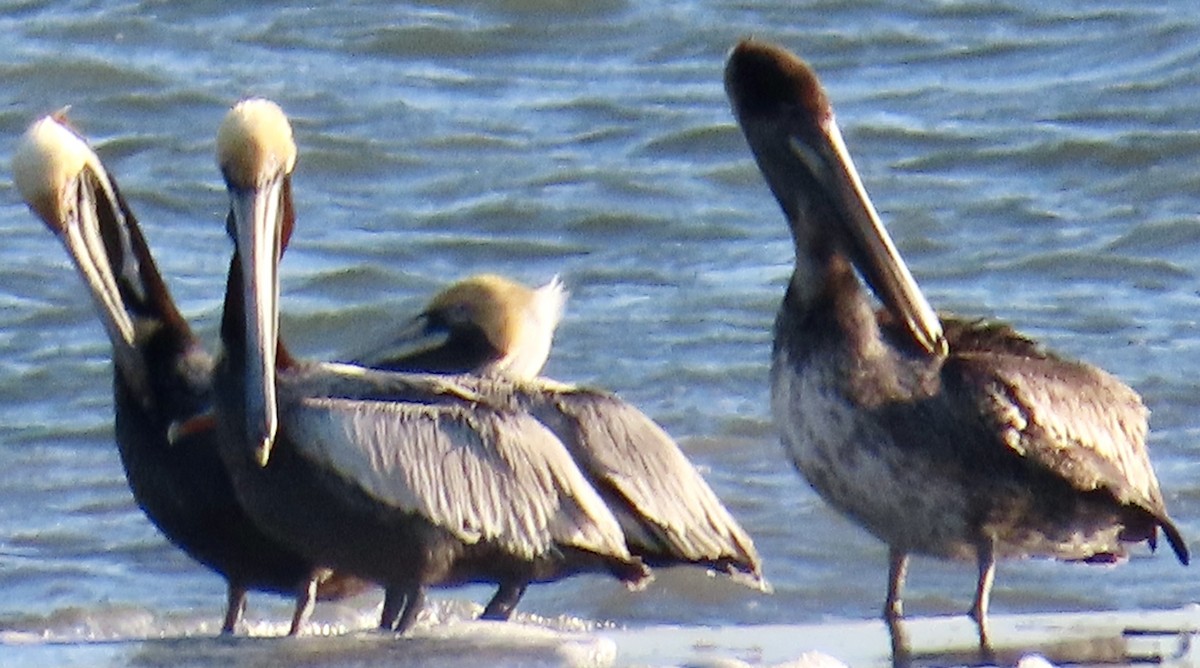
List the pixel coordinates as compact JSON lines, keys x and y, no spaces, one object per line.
{"x":255,"y":143}
{"x":519,"y":322}
{"x":49,"y":157}
{"x":491,"y":302}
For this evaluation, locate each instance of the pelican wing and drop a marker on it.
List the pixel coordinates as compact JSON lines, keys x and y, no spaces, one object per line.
{"x":1073,"y":419}
{"x":479,"y":473}
{"x":667,"y":510}
{"x":350,"y":381}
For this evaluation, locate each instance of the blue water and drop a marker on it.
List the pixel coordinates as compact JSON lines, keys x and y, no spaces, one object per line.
{"x":1035,"y":161}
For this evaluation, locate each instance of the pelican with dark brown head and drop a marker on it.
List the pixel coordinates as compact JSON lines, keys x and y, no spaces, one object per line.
{"x":955,"y":439}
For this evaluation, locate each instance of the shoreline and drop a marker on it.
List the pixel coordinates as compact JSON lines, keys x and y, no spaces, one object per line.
{"x":1109,"y":638}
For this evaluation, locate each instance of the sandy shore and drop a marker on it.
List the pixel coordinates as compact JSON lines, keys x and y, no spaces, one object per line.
{"x":1099,"y":638}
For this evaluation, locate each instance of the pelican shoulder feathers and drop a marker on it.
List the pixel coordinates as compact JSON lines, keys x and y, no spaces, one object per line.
{"x":1073,"y":419}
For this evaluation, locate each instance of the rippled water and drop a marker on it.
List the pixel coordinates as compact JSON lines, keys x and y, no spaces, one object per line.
{"x":1035,"y":161}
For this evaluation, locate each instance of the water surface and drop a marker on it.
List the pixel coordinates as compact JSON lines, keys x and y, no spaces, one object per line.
{"x":1035,"y":161}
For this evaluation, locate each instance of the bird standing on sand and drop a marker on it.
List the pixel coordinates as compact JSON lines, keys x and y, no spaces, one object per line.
{"x":955,"y":439}
{"x":405,"y":480}
{"x":491,"y":326}
{"x":162,"y":379}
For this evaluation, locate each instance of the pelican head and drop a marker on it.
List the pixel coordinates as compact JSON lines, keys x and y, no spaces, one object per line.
{"x":66,"y":186}
{"x":256,"y":155}
{"x":483,"y":324}
{"x":789,"y":123}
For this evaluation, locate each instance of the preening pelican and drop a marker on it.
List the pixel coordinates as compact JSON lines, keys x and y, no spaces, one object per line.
{"x":402,"y":479}
{"x":162,"y":377}
{"x":493,"y":327}
{"x":951,"y":438}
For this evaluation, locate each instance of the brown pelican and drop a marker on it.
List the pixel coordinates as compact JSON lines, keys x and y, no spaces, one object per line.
{"x":956,"y":439}
{"x":484,"y":324}
{"x":492,"y":326}
{"x":162,"y":378}
{"x":402,"y":479}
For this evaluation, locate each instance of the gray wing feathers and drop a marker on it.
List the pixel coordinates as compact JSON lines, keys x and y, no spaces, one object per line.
{"x":1077,"y":420}
{"x":666,"y":506}
{"x":480,"y":474}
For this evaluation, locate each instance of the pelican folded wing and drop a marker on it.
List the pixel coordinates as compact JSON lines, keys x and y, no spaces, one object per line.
{"x":482,"y":475}
{"x":664,"y":504}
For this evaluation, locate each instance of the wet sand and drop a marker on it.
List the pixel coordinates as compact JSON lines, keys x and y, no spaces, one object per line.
{"x":1078,"y":639}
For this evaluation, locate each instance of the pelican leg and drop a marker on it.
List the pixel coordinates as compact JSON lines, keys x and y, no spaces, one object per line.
{"x":501,"y":607}
{"x":400,"y":608}
{"x":986,"y":556}
{"x":393,"y":604}
{"x":416,"y":601}
{"x":893,"y":607}
{"x":235,"y":606}
{"x":901,"y":650}
{"x":306,"y":598}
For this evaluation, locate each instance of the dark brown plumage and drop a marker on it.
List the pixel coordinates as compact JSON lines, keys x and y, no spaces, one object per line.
{"x":952,"y":438}
{"x":162,"y":379}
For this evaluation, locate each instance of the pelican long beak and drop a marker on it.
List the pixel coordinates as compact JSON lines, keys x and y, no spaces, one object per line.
{"x":81,"y":234}
{"x":870,"y":245}
{"x":256,"y":154}
{"x":257,"y":230}
{"x":64,"y":183}
{"x":420,"y":336}
{"x":790,"y":127}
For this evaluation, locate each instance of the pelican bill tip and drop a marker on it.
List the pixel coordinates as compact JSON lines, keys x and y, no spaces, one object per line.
{"x":262,"y":452}
{"x":941,"y":347}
